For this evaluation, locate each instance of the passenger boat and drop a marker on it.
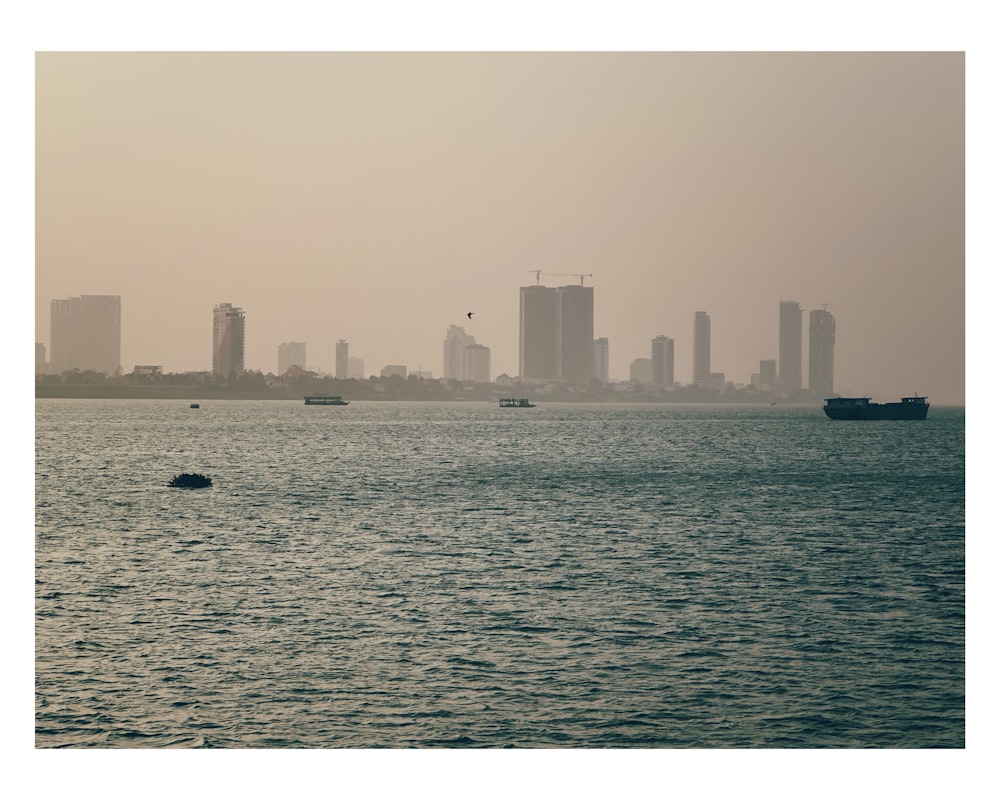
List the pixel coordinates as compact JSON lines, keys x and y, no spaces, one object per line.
{"x":325,"y":400}
{"x":513,"y":402}
{"x":863,"y":408}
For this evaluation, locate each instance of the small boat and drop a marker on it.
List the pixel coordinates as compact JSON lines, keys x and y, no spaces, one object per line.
{"x":513,"y":402}
{"x":195,"y":405}
{"x":862,"y":408}
{"x":190,"y":480}
{"x":325,"y":400}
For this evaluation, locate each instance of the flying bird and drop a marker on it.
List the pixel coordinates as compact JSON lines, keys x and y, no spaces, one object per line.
{"x":469,"y":315}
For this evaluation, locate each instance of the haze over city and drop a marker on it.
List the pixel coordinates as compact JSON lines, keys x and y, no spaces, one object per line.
{"x":379,"y":197}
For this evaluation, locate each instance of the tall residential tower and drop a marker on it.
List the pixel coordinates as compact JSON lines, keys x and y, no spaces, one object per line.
{"x":342,"y":370}
{"x":602,"y":359}
{"x":228,"y":336}
{"x":663,"y":360}
{"x":822,"y":335}
{"x":575,"y":308}
{"x":86,"y":333}
{"x":557,"y":333}
{"x":790,"y":346}
{"x":702,"y":349}
{"x":538,"y":343}
{"x":455,"y":342}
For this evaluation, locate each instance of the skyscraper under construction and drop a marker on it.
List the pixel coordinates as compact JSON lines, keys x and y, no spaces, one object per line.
{"x":557,"y":333}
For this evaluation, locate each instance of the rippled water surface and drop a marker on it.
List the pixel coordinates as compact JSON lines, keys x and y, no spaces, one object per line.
{"x":458,"y":575}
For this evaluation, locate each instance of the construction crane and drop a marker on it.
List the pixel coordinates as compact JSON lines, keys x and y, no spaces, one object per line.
{"x":580,"y":275}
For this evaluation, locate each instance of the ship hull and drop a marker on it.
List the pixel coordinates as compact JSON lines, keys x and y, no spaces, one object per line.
{"x":860,"y":408}
{"x":882,"y":412}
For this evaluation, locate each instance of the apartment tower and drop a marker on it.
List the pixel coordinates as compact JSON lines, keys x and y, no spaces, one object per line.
{"x":768,"y":373}
{"x":476,"y":363}
{"x":663,"y":360}
{"x":455,"y":342}
{"x":701,"y":374}
{"x":575,"y":328}
{"x":557,"y":333}
{"x":537,"y":350}
{"x":228,"y":338}
{"x":342,"y":370}
{"x":790,"y":346}
{"x":86,"y":333}
{"x":602,"y":359}
{"x":822,"y":335}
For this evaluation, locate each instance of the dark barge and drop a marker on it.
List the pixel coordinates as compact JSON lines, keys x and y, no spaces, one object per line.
{"x":862,"y":408}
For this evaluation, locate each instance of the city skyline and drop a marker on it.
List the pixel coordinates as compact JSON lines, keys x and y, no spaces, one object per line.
{"x":319,"y":203}
{"x":544,"y":327}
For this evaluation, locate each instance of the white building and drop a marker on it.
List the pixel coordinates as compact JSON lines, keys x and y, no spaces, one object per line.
{"x":476,"y":363}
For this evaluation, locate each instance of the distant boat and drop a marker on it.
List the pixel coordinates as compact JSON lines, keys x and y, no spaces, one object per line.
{"x":190,"y":480}
{"x":862,"y":408}
{"x":513,"y":402}
{"x":325,"y":400}
{"x":195,"y":405}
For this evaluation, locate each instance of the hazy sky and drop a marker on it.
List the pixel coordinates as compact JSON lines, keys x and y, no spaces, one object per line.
{"x":378,"y":197}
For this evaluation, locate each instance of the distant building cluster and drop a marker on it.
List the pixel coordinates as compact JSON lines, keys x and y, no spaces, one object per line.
{"x":556,"y":343}
{"x":464,"y":359}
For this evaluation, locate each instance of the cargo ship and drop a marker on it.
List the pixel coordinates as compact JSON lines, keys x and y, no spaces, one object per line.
{"x":863,"y":408}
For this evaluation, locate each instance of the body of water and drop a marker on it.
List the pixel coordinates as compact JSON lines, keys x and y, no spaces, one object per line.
{"x":458,"y":575}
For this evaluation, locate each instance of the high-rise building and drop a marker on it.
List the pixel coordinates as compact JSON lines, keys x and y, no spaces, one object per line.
{"x":455,"y":342}
{"x":702,"y":348}
{"x":602,"y":359}
{"x":663,"y":360}
{"x":641,"y":370}
{"x":538,"y":347}
{"x":40,"y":366}
{"x":790,"y":346}
{"x":822,"y":334}
{"x":476,"y":363}
{"x":575,"y":308}
{"x":291,"y":354}
{"x":768,"y":373}
{"x":464,"y":359}
{"x":356,"y":368}
{"x":342,"y":369}
{"x":557,"y":333}
{"x":228,"y":339}
{"x":86,"y":333}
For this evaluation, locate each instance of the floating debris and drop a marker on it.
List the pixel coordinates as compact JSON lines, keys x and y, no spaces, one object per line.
{"x":190,"y":480}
